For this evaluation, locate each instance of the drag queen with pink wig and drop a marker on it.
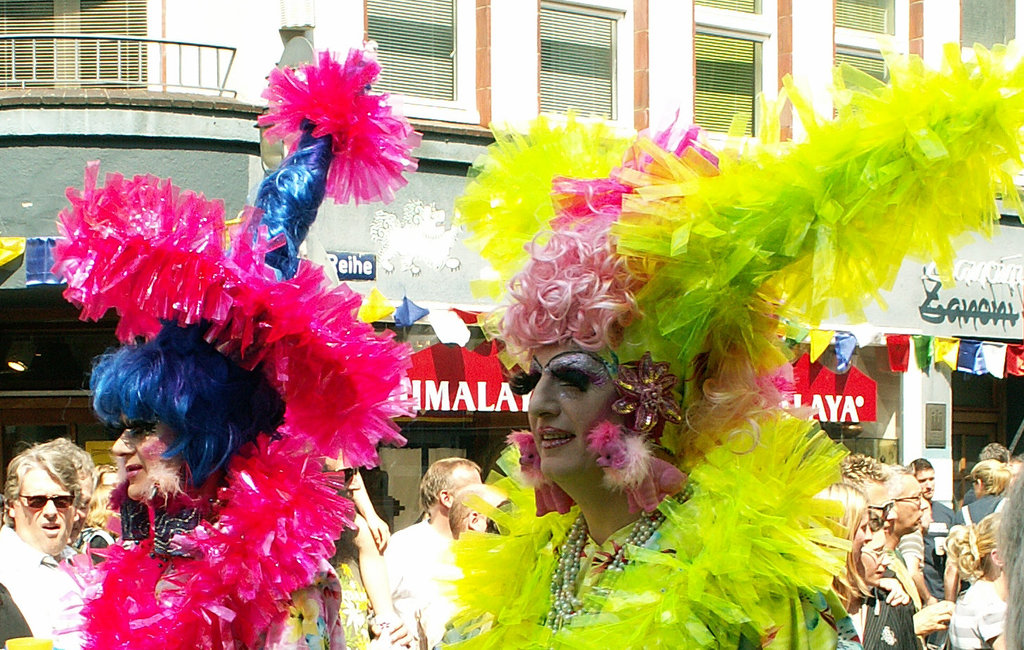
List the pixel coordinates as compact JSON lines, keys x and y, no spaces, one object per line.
{"x":646,"y":288}
{"x":250,"y":371}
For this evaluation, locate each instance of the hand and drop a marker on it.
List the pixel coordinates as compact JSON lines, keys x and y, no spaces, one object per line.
{"x":933,"y":618}
{"x":379,"y":531}
{"x":393,"y":629}
{"x":897,"y":594}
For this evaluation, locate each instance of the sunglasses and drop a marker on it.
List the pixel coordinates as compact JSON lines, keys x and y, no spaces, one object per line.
{"x":884,"y":509}
{"x":349,"y":473}
{"x":132,"y":433}
{"x":38,"y":502}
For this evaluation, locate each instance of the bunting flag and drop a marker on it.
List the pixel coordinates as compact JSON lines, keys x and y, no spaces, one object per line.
{"x":796,"y":332}
{"x":39,"y":261}
{"x":899,"y":351}
{"x":969,"y":357}
{"x":11,"y":248}
{"x":923,"y":347}
{"x":449,"y":327}
{"x":995,"y":358}
{"x":820,"y":340}
{"x":375,"y":307}
{"x":946,"y":351}
{"x":1015,"y":359}
{"x":846,"y":343}
{"x":409,"y":312}
{"x":468,"y":317}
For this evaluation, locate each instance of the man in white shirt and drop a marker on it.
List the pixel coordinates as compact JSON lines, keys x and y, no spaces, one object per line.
{"x":418,"y":557}
{"x":41,"y":492}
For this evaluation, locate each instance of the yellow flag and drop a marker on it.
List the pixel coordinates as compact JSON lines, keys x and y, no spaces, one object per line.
{"x":946,"y":351}
{"x":820,"y":340}
{"x":11,"y":248}
{"x":375,"y":307}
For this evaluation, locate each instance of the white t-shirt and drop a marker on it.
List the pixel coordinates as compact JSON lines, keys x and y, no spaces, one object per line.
{"x":37,"y":585}
{"x":420,"y":565}
{"x":980,"y":615}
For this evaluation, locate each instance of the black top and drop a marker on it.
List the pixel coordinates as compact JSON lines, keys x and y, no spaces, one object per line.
{"x":12,"y":623}
{"x":887,"y":626}
{"x":935,"y":539}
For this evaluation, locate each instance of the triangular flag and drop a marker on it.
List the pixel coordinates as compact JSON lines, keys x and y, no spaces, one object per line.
{"x":449,"y":327}
{"x":1015,"y":359}
{"x":375,"y":307}
{"x":820,"y":340}
{"x":409,"y":312}
{"x":969,"y":357}
{"x":899,"y":351}
{"x":468,"y":317}
{"x":923,"y":346}
{"x":995,"y":358}
{"x":796,"y":332}
{"x":11,"y":248}
{"x":846,"y":343}
{"x":946,"y":351}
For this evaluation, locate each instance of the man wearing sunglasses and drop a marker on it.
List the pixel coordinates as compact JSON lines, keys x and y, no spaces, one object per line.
{"x":41,"y":492}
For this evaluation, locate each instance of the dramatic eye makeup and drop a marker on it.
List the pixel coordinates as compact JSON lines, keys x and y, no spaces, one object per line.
{"x":576,"y":368}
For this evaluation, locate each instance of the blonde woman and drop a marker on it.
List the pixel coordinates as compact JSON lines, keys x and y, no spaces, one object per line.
{"x":980,"y":616}
{"x":989,"y":479}
{"x":849,"y":585}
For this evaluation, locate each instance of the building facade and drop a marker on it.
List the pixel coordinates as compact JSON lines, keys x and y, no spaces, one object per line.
{"x":173,"y":88}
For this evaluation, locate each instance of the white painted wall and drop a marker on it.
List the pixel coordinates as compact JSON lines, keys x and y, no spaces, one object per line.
{"x":941,"y":26}
{"x":515,"y":42}
{"x":672,"y":71}
{"x":813,"y":48}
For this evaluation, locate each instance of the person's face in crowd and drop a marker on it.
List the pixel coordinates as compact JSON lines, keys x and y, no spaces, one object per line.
{"x":908,"y":506}
{"x":926,"y":478}
{"x":574,"y":393}
{"x":880,"y":507}
{"x":140,"y":458}
{"x":874,"y":559}
{"x":1015,"y":466}
{"x":460,"y":478}
{"x":979,"y":489}
{"x":44,"y":526}
{"x":861,"y":536}
{"x":926,"y":516}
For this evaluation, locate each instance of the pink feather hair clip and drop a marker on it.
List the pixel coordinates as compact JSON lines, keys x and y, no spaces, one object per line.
{"x":550,"y":497}
{"x":372,"y":146}
{"x":631,"y":466}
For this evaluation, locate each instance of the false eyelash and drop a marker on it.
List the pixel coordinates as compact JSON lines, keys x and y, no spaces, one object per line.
{"x":572,"y":376}
{"x":522,"y":383}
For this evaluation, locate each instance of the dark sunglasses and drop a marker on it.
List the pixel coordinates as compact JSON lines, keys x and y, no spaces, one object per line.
{"x":349,"y":473}
{"x":38,"y":502}
{"x":132,"y":432}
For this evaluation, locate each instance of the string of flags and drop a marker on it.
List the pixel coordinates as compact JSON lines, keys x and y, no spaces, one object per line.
{"x":450,"y":326}
{"x":962,"y":355}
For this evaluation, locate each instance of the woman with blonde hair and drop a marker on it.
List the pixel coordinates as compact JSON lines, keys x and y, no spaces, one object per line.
{"x":855,"y":527}
{"x":980,"y":615}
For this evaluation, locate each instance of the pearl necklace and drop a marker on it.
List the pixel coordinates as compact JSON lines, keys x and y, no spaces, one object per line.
{"x":565,"y":605}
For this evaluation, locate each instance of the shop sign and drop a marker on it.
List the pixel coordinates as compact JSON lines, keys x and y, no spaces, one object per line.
{"x":452,"y":378}
{"x":354,"y":266}
{"x":986,"y":295}
{"x":849,"y":397}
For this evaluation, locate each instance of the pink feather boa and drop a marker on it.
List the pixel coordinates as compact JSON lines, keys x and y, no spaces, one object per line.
{"x":153,"y":252}
{"x":372,"y":146}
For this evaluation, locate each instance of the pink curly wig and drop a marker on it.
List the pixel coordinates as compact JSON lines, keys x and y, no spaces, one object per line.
{"x":574,"y":288}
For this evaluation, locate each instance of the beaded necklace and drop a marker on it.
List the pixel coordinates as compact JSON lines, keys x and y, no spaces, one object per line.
{"x":565,"y":604}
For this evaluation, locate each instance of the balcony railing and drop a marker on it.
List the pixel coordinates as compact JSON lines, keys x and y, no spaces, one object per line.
{"x":110,"y":61}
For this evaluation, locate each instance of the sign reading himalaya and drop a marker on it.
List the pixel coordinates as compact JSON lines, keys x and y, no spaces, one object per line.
{"x":444,"y":378}
{"x":850,"y":397}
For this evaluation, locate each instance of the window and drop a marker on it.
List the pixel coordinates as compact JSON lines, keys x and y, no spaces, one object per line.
{"x":987,"y":22}
{"x":728,"y":81}
{"x":869,"y":62}
{"x":427,"y":52}
{"x":747,"y":6}
{"x":735,"y":59}
{"x":70,"y":58}
{"x":875,"y":16}
{"x":417,"y":46}
{"x":577,"y":62}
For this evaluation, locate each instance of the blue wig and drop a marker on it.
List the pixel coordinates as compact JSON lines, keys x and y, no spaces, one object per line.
{"x":291,"y":195}
{"x":212,"y":405}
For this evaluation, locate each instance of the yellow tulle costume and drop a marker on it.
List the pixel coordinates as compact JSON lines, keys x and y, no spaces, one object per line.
{"x":744,"y":557}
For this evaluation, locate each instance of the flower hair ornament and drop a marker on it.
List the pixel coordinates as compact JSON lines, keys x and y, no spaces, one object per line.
{"x":259,"y":323}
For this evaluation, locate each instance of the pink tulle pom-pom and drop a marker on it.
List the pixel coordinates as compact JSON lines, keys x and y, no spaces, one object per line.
{"x":372,"y":146}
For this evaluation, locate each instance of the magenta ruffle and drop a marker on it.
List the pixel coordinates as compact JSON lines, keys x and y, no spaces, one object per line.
{"x":372,"y":145}
{"x":154,"y":253}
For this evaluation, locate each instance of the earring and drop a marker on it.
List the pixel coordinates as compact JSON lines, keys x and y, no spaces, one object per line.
{"x":550,"y":497}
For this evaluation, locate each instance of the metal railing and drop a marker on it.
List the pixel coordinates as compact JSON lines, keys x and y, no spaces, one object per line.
{"x":112,"y":61}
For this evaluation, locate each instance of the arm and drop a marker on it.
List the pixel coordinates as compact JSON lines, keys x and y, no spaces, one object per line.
{"x":378,"y":527}
{"x":951,"y":580}
{"x":374,"y":573}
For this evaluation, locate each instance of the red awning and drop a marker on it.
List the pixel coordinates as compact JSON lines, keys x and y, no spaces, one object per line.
{"x":850,"y":397}
{"x":452,"y":378}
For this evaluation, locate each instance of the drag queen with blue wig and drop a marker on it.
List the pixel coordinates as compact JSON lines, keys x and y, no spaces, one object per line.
{"x":242,"y":371}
